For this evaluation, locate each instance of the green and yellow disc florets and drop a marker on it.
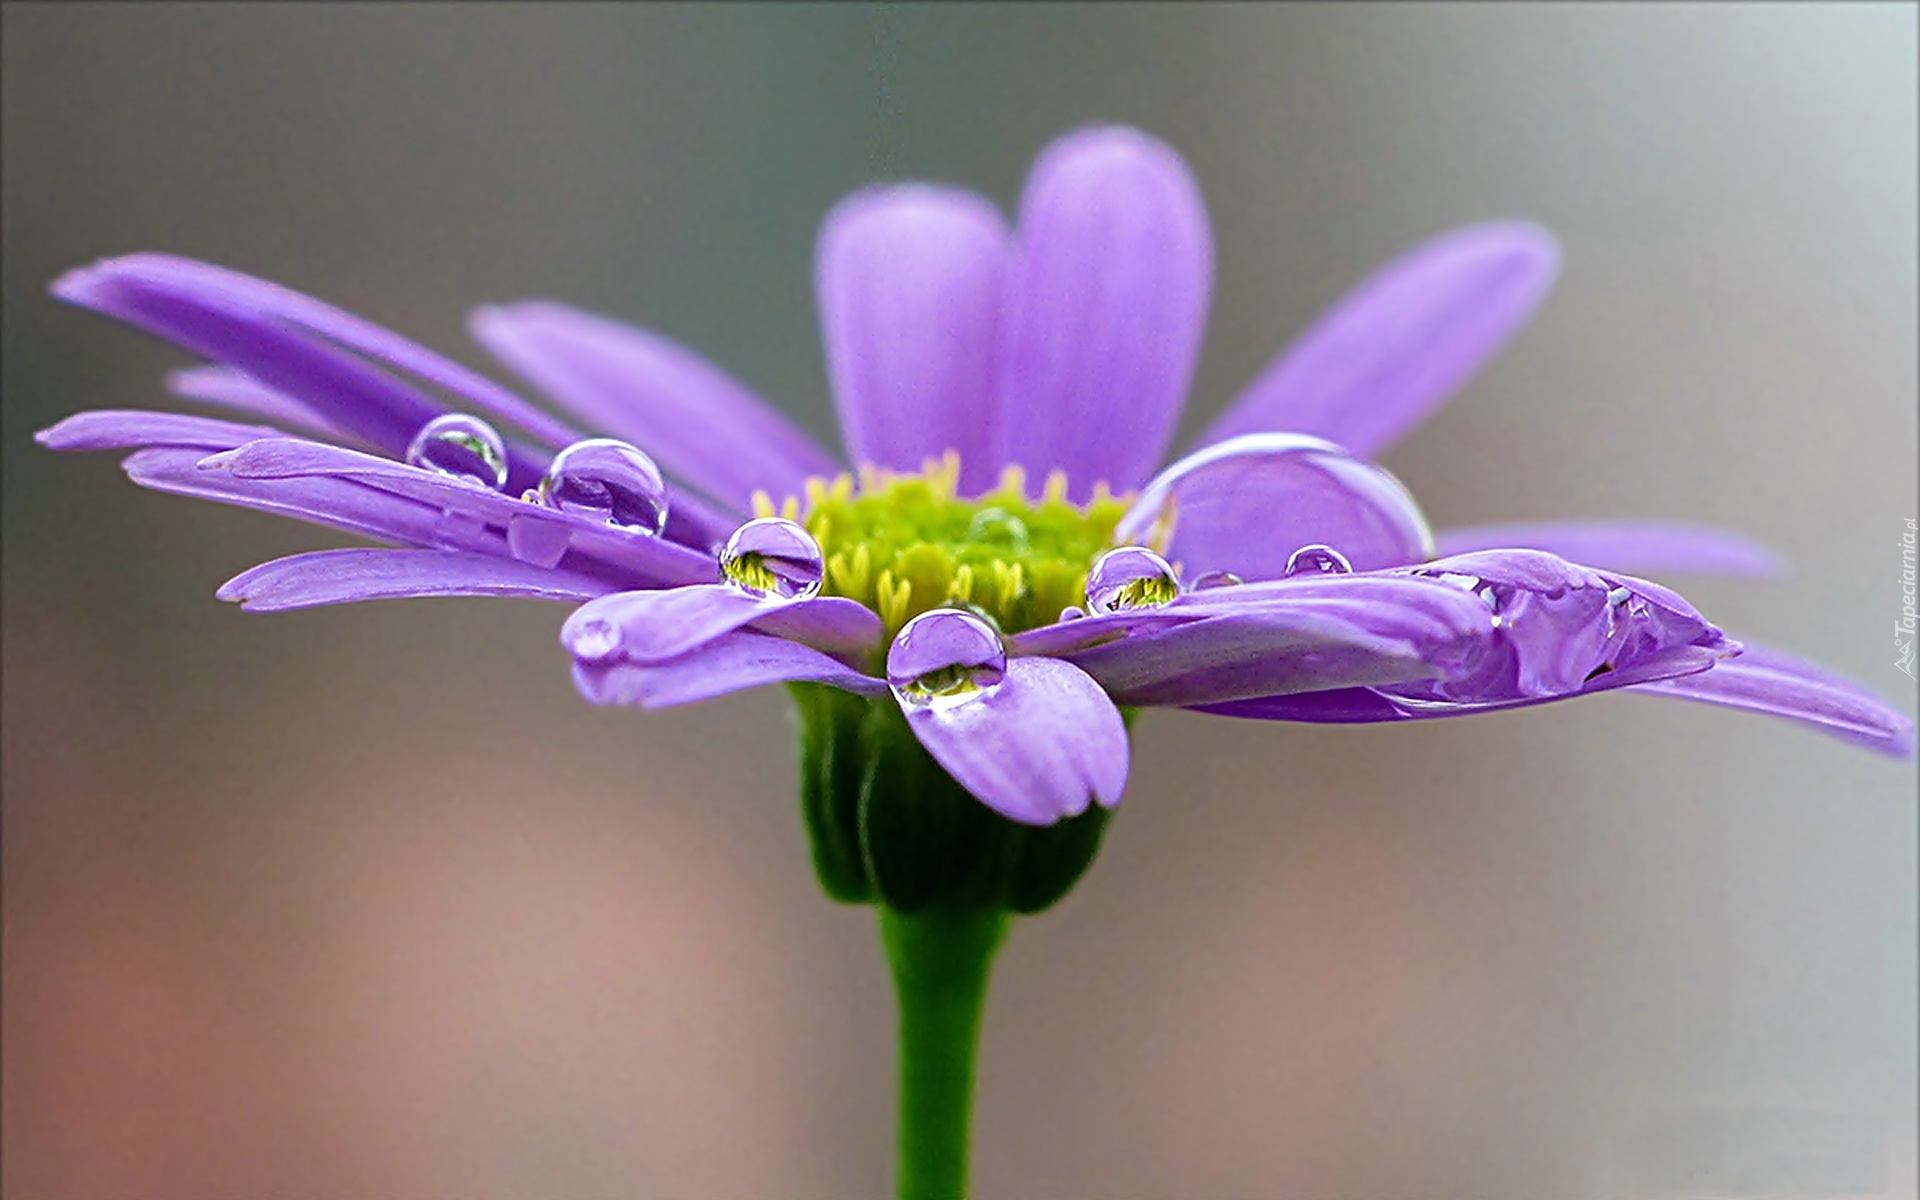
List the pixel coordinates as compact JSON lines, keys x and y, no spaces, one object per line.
{"x":902,"y":544}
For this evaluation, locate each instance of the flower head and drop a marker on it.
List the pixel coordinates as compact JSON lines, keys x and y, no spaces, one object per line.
{"x":1002,"y":573}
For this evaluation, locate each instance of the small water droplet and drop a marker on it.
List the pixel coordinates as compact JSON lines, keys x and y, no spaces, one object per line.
{"x":998,"y":527}
{"x":461,"y":447}
{"x":1072,"y":612}
{"x":607,"y":480}
{"x":1317,"y":559}
{"x":945,"y":655}
{"x":1130,"y":577}
{"x":772,"y":556}
{"x":1214,"y":579}
{"x":594,"y":639}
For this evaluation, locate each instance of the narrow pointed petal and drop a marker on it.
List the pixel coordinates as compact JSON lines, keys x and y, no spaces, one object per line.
{"x":1106,"y":307}
{"x":117,"y":283}
{"x":699,"y":423}
{"x":656,"y":559}
{"x":911,"y":279}
{"x":654,"y":626}
{"x":1767,"y":681}
{"x":1308,"y":635}
{"x":1248,"y":504}
{"x":732,"y":663}
{"x":343,"y":576}
{"x":123,"y":429}
{"x":1398,"y":345}
{"x":224,"y":387}
{"x":1637,"y":547}
{"x":228,"y":325}
{"x":1039,"y":746}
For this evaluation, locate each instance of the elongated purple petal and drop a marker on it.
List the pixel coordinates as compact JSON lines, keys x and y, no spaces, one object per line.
{"x":1767,"y":681}
{"x":742,"y":659}
{"x":654,"y":626}
{"x":1399,"y":344}
{"x":224,"y":387}
{"x":1310,"y":634}
{"x":1106,"y":306}
{"x":1247,"y":505}
{"x":659,"y":561}
{"x":122,"y":429}
{"x":185,"y":278}
{"x":911,"y":280}
{"x":227,"y":325}
{"x":1038,"y":746}
{"x":342,"y":576}
{"x":1637,"y":547}
{"x":698,"y":422}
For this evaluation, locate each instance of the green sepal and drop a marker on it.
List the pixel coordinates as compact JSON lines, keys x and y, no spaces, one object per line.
{"x":831,"y":768}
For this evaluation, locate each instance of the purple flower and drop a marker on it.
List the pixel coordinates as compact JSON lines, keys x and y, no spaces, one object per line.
{"x":1273,"y":572}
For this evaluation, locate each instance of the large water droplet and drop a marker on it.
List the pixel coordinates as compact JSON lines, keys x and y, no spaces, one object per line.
{"x":1318,"y":560}
{"x":945,"y":655}
{"x":772,"y":556}
{"x":607,"y":480}
{"x":461,"y":447}
{"x":1214,"y":579}
{"x":1129,"y":577}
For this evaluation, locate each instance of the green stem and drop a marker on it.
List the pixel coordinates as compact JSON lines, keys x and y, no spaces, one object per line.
{"x":940,"y":959}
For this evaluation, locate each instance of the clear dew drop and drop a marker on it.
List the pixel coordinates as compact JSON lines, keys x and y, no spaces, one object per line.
{"x":772,"y":556}
{"x":593,"y":640}
{"x":947,"y":655}
{"x":1214,"y":579}
{"x":602,"y":479}
{"x":1317,"y":559}
{"x":1072,"y":612}
{"x":1130,"y":577}
{"x":461,"y":447}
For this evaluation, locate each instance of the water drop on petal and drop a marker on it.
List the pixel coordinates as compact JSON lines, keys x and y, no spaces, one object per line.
{"x":1129,"y":577}
{"x":772,"y":556}
{"x":461,"y":447}
{"x":946,"y":654}
{"x":607,"y":480}
{"x":594,"y":639}
{"x":1072,"y":612}
{"x":1214,"y":579}
{"x":1318,"y":559}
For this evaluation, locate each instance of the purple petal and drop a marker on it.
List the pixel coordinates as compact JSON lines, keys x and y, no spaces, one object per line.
{"x":1767,"y":681}
{"x":1036,"y":747}
{"x":1246,"y":505}
{"x":225,"y":387}
{"x":739,"y":660}
{"x":340,"y":576}
{"x":1106,"y":306}
{"x":1396,"y":346}
{"x":910,"y":282}
{"x":699,"y":423}
{"x":1309,"y":634}
{"x":654,"y":626}
{"x":1639,"y":547}
{"x":99,"y":286}
{"x":659,"y":561}
{"x":121,"y":429}
{"x":226,"y":322}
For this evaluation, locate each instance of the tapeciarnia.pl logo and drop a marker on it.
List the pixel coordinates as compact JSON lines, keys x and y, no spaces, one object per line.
{"x":1903,"y":629}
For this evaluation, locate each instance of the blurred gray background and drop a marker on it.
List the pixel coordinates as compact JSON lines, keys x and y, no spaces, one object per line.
{"x":365,"y":902}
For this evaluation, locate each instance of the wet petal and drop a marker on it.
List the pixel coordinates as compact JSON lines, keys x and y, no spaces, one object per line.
{"x":342,"y":576}
{"x":698,"y":422}
{"x":1399,"y":344}
{"x":222,"y":317}
{"x":1767,"y":681}
{"x":1246,"y":505}
{"x":1639,"y":547}
{"x":654,"y":626}
{"x":1040,"y":745}
{"x":911,"y":280}
{"x":1106,"y":306}
{"x":123,"y":429}
{"x":739,"y":660}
